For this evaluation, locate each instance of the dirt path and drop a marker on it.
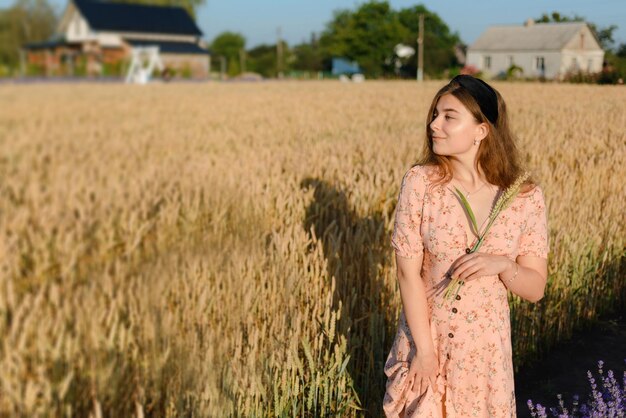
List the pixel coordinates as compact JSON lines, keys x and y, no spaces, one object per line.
{"x":564,"y":369}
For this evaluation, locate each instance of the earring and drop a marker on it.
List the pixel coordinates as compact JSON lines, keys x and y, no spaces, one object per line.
{"x":476,"y":142}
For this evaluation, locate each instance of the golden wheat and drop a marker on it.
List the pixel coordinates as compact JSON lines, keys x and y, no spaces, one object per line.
{"x":223,"y":250}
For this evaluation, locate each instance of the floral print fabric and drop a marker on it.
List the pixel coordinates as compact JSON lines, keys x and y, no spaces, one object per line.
{"x":471,"y":334}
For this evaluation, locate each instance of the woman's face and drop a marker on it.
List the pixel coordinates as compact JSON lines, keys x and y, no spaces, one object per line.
{"x":454,"y":128}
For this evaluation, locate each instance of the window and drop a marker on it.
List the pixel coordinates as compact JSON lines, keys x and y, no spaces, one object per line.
{"x":487,"y":63}
{"x":590,"y":65}
{"x":511,"y":61}
{"x":540,"y":63}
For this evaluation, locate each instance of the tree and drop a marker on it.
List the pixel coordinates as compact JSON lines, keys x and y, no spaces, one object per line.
{"x":604,"y":34}
{"x":439,"y":41}
{"x":190,"y":5}
{"x":262,"y":60}
{"x":25,"y":21}
{"x":308,"y":56}
{"x":369,"y":34}
{"x":229,"y":45}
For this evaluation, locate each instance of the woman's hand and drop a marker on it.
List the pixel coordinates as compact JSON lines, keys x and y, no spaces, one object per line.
{"x":422,"y":372}
{"x":472,"y":266}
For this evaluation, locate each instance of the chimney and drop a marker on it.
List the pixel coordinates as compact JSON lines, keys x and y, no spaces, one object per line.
{"x":529,"y":22}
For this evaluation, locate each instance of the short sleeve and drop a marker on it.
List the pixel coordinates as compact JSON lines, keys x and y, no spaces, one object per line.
{"x":406,"y":238}
{"x":534,"y":238}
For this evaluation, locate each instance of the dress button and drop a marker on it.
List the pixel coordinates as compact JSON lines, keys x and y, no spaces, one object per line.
{"x":455,"y":310}
{"x":448,"y":355}
{"x":450,"y":335}
{"x":458,"y":297}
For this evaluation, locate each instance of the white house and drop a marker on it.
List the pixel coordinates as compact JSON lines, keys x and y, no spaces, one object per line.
{"x":97,"y":34}
{"x":550,"y":50}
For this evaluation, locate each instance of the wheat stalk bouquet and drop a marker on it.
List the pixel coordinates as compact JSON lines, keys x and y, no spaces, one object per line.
{"x":503,"y":202}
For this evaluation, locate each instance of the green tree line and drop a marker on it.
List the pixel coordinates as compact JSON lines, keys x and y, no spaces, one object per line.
{"x":366,"y":34}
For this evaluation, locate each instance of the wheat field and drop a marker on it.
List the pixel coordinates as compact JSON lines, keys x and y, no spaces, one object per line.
{"x":223,"y":249}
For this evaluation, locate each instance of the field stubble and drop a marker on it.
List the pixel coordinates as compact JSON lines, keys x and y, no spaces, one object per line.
{"x":224,"y":249}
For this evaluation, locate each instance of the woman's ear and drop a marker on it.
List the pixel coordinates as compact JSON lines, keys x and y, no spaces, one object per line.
{"x":482,"y":130}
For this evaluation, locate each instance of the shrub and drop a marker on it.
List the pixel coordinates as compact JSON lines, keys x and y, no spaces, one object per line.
{"x":112,"y":68}
{"x":471,"y":70}
{"x":185,"y":72}
{"x":514,"y":72}
{"x":580,"y":77}
{"x":35,"y":70}
{"x":80,"y":69}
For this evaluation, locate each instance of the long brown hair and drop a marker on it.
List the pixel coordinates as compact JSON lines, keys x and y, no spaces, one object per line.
{"x":497,"y":155}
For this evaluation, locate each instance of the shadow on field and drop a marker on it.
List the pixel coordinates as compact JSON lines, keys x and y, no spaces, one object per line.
{"x":355,"y":250}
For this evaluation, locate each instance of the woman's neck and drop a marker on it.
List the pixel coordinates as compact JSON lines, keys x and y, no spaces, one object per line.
{"x":467,"y":173}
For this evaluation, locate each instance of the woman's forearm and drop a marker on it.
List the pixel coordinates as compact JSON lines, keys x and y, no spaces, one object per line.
{"x":413,"y":296}
{"x":528,"y":283}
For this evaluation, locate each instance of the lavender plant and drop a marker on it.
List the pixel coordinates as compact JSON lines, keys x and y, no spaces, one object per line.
{"x":608,"y":401}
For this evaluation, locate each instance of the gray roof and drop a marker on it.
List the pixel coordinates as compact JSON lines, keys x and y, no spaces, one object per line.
{"x":537,"y":36}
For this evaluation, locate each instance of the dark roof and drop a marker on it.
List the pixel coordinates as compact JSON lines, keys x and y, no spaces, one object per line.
{"x":45,"y":44}
{"x":170,"y":47}
{"x":123,"y":17}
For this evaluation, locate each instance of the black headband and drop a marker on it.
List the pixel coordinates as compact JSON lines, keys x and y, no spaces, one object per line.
{"x":483,"y":93}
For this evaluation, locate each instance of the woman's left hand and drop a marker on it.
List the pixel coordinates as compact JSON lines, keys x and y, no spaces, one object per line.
{"x":475,"y":265}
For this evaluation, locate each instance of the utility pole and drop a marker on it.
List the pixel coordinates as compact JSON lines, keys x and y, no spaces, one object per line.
{"x":222,"y":67}
{"x":279,"y":54}
{"x":242,"y":60}
{"x":420,"y":50}
{"x":23,"y":63}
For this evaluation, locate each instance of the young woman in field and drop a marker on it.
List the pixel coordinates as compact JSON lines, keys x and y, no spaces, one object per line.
{"x":452,"y":356}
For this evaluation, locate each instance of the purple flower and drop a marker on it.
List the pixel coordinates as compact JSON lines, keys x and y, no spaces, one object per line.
{"x":607,"y":401}
{"x":541,"y":411}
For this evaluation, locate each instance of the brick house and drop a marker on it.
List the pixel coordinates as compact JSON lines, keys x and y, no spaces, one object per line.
{"x":97,"y":37}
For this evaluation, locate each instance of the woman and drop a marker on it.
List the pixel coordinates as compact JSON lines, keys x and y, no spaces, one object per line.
{"x":452,"y":357}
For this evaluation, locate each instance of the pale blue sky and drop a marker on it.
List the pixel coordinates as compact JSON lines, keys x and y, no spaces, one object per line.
{"x":258,"y":20}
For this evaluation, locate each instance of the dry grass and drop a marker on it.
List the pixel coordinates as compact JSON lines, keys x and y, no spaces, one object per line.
{"x":215,"y":250}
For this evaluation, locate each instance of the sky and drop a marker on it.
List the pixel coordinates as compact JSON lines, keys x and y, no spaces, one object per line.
{"x":259,"y":20}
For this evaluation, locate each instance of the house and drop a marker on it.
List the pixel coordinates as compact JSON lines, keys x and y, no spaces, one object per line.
{"x":549,"y":50}
{"x":97,"y":37}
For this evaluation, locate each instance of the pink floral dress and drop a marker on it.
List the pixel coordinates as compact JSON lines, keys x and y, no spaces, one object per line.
{"x":471,"y":333}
